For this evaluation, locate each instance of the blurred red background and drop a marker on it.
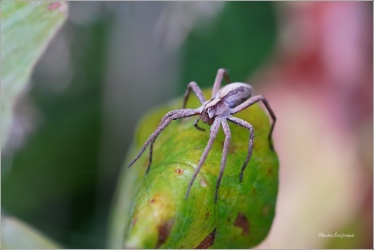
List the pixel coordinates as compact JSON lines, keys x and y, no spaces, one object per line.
{"x":320,"y":84}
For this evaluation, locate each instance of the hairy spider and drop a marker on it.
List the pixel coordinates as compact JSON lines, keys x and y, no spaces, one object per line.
{"x":225,"y":102}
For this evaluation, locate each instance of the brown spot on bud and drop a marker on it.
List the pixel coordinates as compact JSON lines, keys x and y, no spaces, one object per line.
{"x":254,"y":190}
{"x":208,"y":241}
{"x":232,"y":148}
{"x":242,"y":222}
{"x":269,"y":171}
{"x":179,"y":171}
{"x":164,"y":232}
{"x":265,"y":210}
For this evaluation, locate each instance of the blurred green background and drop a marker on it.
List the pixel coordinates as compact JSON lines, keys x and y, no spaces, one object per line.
{"x":113,"y":61}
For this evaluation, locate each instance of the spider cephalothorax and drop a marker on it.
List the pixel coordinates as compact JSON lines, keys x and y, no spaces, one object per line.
{"x":215,"y":112}
{"x":213,"y":108}
{"x":227,"y":98}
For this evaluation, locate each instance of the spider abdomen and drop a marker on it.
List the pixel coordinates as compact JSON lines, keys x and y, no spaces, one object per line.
{"x":234,"y":94}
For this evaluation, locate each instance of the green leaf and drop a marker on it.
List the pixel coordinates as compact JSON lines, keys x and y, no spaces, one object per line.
{"x":17,"y":235}
{"x":151,"y":210}
{"x":26,"y":29}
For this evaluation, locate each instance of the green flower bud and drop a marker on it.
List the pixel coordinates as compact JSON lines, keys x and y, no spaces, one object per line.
{"x":152,"y":210}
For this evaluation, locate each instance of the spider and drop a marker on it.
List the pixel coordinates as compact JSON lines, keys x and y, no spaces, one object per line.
{"x":226,"y":101}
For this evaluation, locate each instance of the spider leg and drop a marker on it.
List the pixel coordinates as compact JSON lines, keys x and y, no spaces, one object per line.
{"x":222,"y":73}
{"x":253,"y":100}
{"x":196,"y":89}
{"x":197,"y":125}
{"x":151,"y":145}
{"x":226,"y":146}
{"x":150,"y":156}
{"x":248,"y":126}
{"x":213,"y":133}
{"x":176,"y":114}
